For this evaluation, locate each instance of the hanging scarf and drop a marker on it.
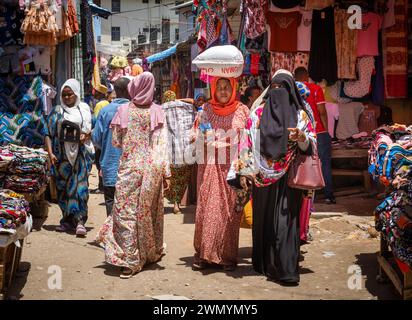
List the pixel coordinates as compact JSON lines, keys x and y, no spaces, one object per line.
{"x":279,"y":114}
{"x":227,"y":108}
{"x":79,"y":114}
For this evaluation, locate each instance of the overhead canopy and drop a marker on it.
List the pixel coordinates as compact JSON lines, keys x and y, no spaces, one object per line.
{"x":182,"y":5}
{"x":101,"y":12}
{"x":162,"y":55}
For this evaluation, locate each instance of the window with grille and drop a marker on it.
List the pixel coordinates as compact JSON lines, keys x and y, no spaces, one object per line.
{"x":158,"y":1}
{"x":141,"y":38}
{"x":153,"y":35}
{"x":165,"y":30}
{"x":145,"y":1}
{"x":177,"y":34}
{"x":115,"y":5}
{"x":115,"y":33}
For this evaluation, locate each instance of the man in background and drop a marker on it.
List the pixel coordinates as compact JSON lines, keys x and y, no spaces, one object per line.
{"x":102,"y":139}
{"x":316,"y":100}
{"x":250,"y":96}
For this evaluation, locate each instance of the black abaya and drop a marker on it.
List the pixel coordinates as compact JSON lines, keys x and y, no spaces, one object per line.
{"x":276,"y":241}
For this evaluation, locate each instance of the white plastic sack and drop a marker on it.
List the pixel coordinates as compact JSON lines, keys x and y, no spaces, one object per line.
{"x":221,"y":61}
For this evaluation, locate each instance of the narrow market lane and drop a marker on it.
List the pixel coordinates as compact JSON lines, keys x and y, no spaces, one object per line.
{"x":340,"y":242}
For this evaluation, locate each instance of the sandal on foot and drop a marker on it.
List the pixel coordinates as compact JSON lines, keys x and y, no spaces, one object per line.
{"x":81,"y":230}
{"x":127,"y":273}
{"x":199,"y":265}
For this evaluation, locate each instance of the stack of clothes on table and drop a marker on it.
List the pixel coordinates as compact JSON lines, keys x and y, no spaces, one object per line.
{"x":6,"y":157}
{"x":14,"y":210}
{"x":391,"y":164}
{"x":26,"y":170}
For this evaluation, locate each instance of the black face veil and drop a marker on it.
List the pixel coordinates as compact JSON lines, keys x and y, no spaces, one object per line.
{"x":279,"y":114}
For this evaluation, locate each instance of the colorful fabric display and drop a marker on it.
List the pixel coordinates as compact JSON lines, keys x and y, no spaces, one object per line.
{"x":390,"y":158}
{"x":13,"y":209}
{"x":27,"y":168}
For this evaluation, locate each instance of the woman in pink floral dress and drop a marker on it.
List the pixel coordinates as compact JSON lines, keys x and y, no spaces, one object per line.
{"x":133,"y":235}
{"x":217,"y":226}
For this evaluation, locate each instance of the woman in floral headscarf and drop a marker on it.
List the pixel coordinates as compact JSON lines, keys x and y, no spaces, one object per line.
{"x":133,"y":234}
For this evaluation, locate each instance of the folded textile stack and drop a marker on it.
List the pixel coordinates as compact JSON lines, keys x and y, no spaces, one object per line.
{"x":14,"y":209}
{"x":27,"y":171}
{"x":5,"y":158}
{"x":390,"y":159}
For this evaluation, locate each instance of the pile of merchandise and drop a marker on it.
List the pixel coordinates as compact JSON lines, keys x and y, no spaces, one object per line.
{"x":14,"y":210}
{"x":25,"y":168}
{"x":391,"y":164}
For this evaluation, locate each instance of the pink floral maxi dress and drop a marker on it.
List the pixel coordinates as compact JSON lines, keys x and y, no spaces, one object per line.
{"x":133,"y":235}
{"x":217,"y":223}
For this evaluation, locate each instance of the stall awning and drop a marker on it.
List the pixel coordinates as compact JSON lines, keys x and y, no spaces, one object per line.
{"x":162,"y":55}
{"x":101,"y":12}
{"x":182,"y":5}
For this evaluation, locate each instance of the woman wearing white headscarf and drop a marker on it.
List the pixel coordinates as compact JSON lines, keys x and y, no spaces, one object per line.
{"x":70,"y":127}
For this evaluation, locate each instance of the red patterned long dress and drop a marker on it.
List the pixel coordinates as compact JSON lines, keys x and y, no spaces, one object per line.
{"x":217,"y":224}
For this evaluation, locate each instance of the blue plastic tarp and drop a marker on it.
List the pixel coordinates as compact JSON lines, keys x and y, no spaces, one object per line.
{"x":162,"y":55}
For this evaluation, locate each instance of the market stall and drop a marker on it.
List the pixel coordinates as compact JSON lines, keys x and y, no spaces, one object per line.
{"x":15,"y":225}
{"x":391,"y":165}
{"x":36,"y":37}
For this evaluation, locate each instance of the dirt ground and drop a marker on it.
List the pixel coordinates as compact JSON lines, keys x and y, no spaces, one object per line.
{"x":339,"y":243}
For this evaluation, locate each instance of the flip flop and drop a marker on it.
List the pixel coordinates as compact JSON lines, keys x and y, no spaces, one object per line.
{"x":127,"y":273}
{"x":81,"y":230}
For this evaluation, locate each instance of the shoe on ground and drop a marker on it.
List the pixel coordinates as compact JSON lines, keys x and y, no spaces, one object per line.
{"x":81,"y":230}
{"x":330,"y":201}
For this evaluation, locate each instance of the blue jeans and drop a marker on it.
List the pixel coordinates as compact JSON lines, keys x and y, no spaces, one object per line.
{"x":325,"y":155}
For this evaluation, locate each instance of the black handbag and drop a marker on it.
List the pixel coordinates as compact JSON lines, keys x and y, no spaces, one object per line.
{"x":69,"y":131}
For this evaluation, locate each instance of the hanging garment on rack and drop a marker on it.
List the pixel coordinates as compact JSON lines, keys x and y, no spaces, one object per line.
{"x":283,"y":31}
{"x":323,"y":61}
{"x":389,"y":16}
{"x":255,"y":20}
{"x":49,"y":93}
{"x":368,"y":36}
{"x":10,"y":23}
{"x":281,"y":60}
{"x":301,"y":60}
{"x":285,"y":4}
{"x":318,"y":4}
{"x":346,"y":45}
{"x":202,"y":35}
{"x":378,"y":82}
{"x":362,"y":86}
{"x":72,"y":16}
{"x":305,"y":31}
{"x":39,"y":26}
